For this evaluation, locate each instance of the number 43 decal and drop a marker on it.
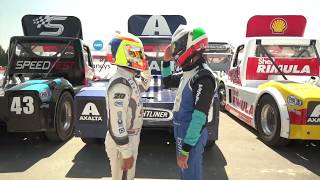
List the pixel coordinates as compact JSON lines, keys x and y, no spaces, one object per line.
{"x":17,"y":108}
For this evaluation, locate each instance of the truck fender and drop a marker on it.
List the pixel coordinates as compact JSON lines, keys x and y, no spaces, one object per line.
{"x":282,"y":106}
{"x":57,"y":90}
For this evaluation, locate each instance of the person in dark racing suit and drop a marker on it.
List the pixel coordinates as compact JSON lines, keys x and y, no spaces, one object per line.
{"x":124,"y":104}
{"x":194,"y":101}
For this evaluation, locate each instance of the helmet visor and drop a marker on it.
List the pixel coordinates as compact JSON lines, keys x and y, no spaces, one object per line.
{"x":134,"y":52}
{"x":136,"y":58}
{"x":179,"y":46}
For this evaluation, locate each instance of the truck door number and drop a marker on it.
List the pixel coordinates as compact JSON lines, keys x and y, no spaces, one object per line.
{"x":27,"y":106}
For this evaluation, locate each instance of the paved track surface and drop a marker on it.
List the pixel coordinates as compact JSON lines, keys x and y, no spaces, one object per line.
{"x":237,"y":155}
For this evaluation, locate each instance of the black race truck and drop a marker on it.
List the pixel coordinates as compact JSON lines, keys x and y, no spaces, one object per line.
{"x":47,"y":67}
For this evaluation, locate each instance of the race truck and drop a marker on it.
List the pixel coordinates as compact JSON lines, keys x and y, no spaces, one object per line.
{"x":271,"y":82}
{"x":218,"y":56}
{"x":155,"y":31}
{"x":47,"y":67}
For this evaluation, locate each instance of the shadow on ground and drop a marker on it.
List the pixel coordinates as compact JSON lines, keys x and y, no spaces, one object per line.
{"x":156,"y":160}
{"x":18,"y":151}
{"x":303,"y":153}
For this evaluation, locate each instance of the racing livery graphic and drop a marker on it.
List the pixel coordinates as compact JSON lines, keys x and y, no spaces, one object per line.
{"x":155,"y":31}
{"x":273,"y":82}
{"x":47,"y":67}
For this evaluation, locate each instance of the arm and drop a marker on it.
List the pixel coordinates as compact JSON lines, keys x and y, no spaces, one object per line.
{"x":203,"y":91}
{"x":118,"y":102}
{"x":169,"y":80}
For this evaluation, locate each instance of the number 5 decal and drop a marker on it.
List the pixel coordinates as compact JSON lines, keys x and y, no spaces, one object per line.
{"x":16,"y":105}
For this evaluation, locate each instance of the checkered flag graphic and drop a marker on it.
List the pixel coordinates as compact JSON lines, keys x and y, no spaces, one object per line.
{"x":41,"y":21}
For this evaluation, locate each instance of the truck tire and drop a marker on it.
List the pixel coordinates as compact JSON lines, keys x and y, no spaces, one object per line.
{"x":269,"y":122}
{"x":222,"y":97}
{"x":64,"y":121}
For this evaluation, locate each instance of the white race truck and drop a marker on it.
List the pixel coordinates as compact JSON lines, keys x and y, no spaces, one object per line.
{"x":219,"y":56}
{"x":273,"y":81}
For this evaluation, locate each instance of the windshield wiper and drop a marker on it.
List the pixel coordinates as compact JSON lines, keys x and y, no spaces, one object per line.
{"x":271,"y":59}
{"x":62,"y":52}
{"x":313,"y":45}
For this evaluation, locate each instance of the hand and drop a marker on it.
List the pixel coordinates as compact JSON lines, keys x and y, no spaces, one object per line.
{"x":145,"y":77}
{"x":127,"y":163}
{"x":182,"y":161}
{"x":167,"y":54}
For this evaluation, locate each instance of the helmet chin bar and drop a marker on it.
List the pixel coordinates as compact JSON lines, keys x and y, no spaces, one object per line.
{"x":189,"y":60}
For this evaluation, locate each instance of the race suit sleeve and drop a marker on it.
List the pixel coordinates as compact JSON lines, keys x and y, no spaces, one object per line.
{"x":118,"y":102}
{"x":203,"y":91}
{"x":169,"y":80}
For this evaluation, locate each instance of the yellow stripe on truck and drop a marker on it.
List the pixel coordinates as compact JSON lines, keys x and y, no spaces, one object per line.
{"x":308,"y":132}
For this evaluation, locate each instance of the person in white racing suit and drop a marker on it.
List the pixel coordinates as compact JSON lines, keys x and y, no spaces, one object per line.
{"x":124,"y":104}
{"x":193,"y":105}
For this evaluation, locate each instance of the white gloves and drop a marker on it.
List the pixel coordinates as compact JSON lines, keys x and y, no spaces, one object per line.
{"x":145,"y":77}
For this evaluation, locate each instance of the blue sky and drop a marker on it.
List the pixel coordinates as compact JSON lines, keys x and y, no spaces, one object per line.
{"x":223,"y":20}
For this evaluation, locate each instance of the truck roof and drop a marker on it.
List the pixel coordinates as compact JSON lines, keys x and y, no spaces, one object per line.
{"x":42,"y":38}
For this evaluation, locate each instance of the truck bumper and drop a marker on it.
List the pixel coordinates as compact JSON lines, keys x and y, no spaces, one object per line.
{"x":40,"y":120}
{"x":305,"y":132}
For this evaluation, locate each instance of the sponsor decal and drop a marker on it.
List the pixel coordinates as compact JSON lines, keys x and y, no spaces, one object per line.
{"x":90,"y":113}
{"x":283,"y":25}
{"x":155,"y":67}
{"x":33,"y":65}
{"x":118,"y":103}
{"x":259,"y":68}
{"x":64,"y":65}
{"x":198,"y":93}
{"x":119,"y":96}
{"x":240,"y":103}
{"x":156,"y":25}
{"x":179,"y":142}
{"x":98,"y":67}
{"x":278,"y":26}
{"x":266,"y":66}
{"x":45,"y":21}
{"x":98,"y":45}
{"x":120,"y":123}
{"x":157,"y":114}
{"x":314,"y":117}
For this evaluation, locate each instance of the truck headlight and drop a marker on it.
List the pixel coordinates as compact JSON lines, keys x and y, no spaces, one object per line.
{"x":294,"y":101}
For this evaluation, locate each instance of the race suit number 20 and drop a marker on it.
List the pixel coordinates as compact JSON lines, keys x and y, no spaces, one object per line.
{"x":26,"y":105}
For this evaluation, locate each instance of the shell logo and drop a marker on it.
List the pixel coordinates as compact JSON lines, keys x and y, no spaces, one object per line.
{"x":278,"y":26}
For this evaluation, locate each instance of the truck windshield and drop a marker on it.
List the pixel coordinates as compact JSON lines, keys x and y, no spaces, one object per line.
{"x":218,"y":56}
{"x":43,"y":58}
{"x":287,"y":51}
{"x":43,"y":50}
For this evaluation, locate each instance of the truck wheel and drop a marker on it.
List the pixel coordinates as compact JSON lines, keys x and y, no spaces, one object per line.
{"x":64,"y":121}
{"x":222,"y":97}
{"x":269,"y":122}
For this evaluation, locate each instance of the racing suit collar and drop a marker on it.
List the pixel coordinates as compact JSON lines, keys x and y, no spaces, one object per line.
{"x":125,"y":72}
{"x":190,"y":72}
{"x":195,"y":65}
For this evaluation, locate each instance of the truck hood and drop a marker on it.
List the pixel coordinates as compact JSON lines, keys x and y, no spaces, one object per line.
{"x":300,"y":90}
{"x":36,"y":85}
